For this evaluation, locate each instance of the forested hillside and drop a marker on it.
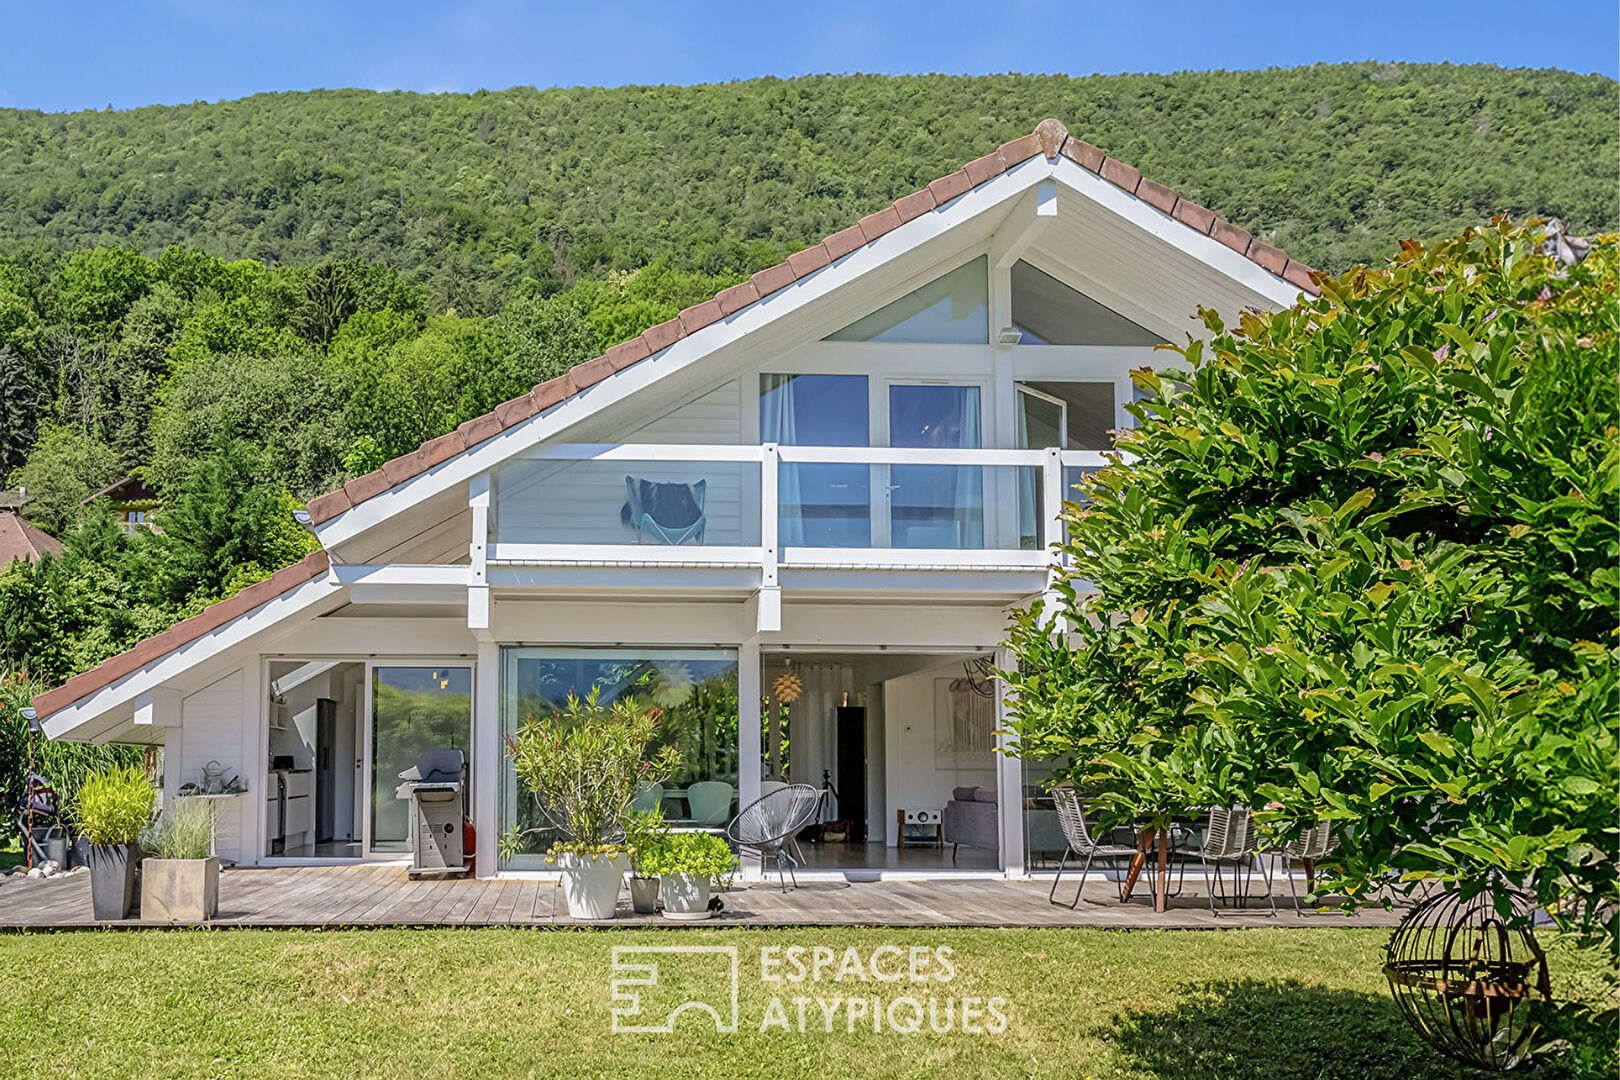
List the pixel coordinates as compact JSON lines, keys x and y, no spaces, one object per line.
{"x":246,"y":302}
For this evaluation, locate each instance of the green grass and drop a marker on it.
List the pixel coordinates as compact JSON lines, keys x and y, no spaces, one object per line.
{"x":11,"y":852}
{"x":1236,"y":1004}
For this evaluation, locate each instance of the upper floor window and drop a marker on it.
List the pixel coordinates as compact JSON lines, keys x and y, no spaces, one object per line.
{"x":953,"y":309}
{"x":1048,"y":312}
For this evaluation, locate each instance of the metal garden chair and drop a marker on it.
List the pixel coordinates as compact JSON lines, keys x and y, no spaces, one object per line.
{"x":767,"y":825}
{"x":1072,"y":819}
{"x":1306,"y":848}
{"x":1231,"y":839}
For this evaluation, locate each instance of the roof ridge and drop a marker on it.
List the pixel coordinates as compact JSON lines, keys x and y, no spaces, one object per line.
{"x":1050,"y":139}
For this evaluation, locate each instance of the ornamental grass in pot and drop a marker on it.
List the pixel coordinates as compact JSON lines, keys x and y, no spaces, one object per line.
{"x":180,"y":874}
{"x":113,"y":807}
{"x":688,"y":865}
{"x":583,"y":765}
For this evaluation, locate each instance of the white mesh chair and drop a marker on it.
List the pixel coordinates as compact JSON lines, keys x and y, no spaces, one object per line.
{"x":1231,"y":839}
{"x":1306,"y":848}
{"x":1081,"y":844}
{"x":767,"y":825}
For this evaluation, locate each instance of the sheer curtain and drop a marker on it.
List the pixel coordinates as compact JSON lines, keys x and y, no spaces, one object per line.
{"x":1026,"y":480}
{"x":969,"y":501}
{"x":777,"y":425}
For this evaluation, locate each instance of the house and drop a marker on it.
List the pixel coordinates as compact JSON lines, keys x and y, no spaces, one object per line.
{"x":133,"y":503}
{"x":795,"y":517}
{"x":20,"y":539}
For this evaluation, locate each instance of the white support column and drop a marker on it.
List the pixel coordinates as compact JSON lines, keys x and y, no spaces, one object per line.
{"x":748,"y":742}
{"x":486,"y":756}
{"x":253,"y":840}
{"x":478,"y":490}
{"x":1009,"y":780}
{"x":768,"y":612}
{"x":1052,"y":495}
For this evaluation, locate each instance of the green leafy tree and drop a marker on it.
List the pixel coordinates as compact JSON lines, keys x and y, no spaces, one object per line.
{"x":17,"y":408}
{"x":97,"y":287}
{"x":63,"y":467}
{"x":1361,"y":569}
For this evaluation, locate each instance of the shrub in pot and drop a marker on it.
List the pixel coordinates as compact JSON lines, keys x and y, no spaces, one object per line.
{"x":584,"y":764}
{"x":644,"y":830}
{"x":687,"y":865}
{"x":180,"y":874}
{"x":112,"y":808}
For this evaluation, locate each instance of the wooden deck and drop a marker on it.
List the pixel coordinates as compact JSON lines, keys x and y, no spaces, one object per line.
{"x":382,"y":895}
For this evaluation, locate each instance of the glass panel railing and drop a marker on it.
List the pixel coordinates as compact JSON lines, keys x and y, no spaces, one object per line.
{"x":906,"y":506}
{"x":627,"y":501}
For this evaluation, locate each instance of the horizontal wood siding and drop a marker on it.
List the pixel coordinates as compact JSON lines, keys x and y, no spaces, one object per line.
{"x":543,"y":502}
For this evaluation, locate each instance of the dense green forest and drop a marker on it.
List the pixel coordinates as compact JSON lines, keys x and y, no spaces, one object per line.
{"x":246,"y":302}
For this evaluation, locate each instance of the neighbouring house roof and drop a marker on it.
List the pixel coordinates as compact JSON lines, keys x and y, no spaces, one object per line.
{"x":1050,"y":139}
{"x":12,"y":500}
{"x":127,"y":489}
{"x":21,"y":540}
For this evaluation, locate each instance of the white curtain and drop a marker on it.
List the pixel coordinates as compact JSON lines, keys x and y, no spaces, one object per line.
{"x":1026,"y":478}
{"x":812,"y":717}
{"x":969,"y":500}
{"x":777,"y":425}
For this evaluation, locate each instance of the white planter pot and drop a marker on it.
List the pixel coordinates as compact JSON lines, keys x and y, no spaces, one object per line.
{"x":591,"y":883}
{"x":179,"y":890}
{"x":686,"y":896}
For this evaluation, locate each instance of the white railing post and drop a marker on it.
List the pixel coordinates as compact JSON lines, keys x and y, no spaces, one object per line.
{"x":1052,"y":527}
{"x":769,"y":608}
{"x":478,"y":553}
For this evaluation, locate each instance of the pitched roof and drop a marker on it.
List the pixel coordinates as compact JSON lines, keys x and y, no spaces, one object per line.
{"x":22,"y":540}
{"x":1050,"y":139}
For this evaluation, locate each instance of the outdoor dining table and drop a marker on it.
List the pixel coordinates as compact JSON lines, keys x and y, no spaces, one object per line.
{"x":1153,"y":841}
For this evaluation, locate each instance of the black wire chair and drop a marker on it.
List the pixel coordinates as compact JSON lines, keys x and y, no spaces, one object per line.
{"x":767,"y":826}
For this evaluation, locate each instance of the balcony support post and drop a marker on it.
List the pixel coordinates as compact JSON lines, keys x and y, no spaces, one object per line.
{"x":769,"y":608}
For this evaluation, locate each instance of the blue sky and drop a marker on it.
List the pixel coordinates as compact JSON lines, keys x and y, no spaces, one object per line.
{"x":89,"y":54}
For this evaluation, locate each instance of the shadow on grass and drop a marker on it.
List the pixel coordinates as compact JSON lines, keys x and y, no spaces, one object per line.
{"x":1244,"y":1029}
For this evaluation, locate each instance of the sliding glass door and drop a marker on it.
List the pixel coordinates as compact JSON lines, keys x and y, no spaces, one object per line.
{"x":412,"y":709}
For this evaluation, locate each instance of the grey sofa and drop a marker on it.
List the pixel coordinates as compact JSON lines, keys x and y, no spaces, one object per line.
{"x":970,"y":820}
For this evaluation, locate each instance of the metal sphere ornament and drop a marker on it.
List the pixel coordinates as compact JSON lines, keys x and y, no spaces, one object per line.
{"x":1470,"y":978}
{"x":787,"y":688}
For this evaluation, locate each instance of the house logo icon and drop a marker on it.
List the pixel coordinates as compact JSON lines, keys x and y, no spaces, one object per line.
{"x":641,"y":1005}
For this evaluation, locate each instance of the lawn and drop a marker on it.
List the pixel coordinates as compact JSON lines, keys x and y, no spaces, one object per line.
{"x":1269,"y":1003}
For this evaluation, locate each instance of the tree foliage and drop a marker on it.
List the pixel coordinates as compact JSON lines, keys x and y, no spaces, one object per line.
{"x":1362,"y":568}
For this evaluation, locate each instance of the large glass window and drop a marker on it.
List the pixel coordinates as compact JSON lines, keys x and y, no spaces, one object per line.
{"x":935,"y":506}
{"x":821,"y":505}
{"x":413,"y":709}
{"x":1067,"y":415}
{"x":953,"y":309}
{"x":696,"y":688}
{"x":1048,"y":312}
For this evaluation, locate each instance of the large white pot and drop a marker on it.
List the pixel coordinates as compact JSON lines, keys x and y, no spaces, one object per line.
{"x":591,"y":883}
{"x":686,"y":896}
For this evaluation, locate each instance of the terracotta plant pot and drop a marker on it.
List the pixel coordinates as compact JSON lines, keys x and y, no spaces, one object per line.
{"x":179,"y":890}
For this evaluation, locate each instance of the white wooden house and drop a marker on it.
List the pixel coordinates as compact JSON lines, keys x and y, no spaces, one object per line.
{"x":843,"y":471}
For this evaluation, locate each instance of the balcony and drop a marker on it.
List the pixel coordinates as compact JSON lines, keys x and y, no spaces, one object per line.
{"x":775,"y":509}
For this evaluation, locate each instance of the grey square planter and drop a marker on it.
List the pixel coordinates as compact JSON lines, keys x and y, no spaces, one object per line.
{"x":112,"y":879}
{"x":179,"y":890}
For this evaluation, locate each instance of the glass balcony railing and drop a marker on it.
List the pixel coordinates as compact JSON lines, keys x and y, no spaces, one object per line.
{"x":790,"y":504}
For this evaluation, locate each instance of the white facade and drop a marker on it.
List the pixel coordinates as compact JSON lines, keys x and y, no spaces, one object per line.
{"x":510,"y":567}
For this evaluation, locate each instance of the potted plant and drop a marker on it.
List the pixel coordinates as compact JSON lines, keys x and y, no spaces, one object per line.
{"x":687,"y":864}
{"x":114,"y":806}
{"x":583,"y":764}
{"x":180,"y":874}
{"x":644,"y":830}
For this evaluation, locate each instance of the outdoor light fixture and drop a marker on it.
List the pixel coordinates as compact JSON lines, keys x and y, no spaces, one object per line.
{"x":1009,"y":335}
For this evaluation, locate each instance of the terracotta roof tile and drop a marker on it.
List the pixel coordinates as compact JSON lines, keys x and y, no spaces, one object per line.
{"x":1050,"y":138}
{"x":842,"y":243}
{"x":734,"y":299}
{"x":1272,"y":258}
{"x":1299,"y":274}
{"x":1190,"y":213}
{"x":1233,"y":237}
{"x":950,"y":186}
{"x":879,"y":224}
{"x":809,"y":260}
{"x":1156,"y":195}
{"x":1121,"y":175}
{"x":914,"y":205}
{"x":1083,"y":154}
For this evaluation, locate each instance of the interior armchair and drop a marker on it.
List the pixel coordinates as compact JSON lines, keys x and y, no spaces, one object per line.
{"x":664,"y":513}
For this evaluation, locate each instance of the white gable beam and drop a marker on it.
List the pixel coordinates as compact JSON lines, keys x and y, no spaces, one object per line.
{"x":1025,"y":222}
